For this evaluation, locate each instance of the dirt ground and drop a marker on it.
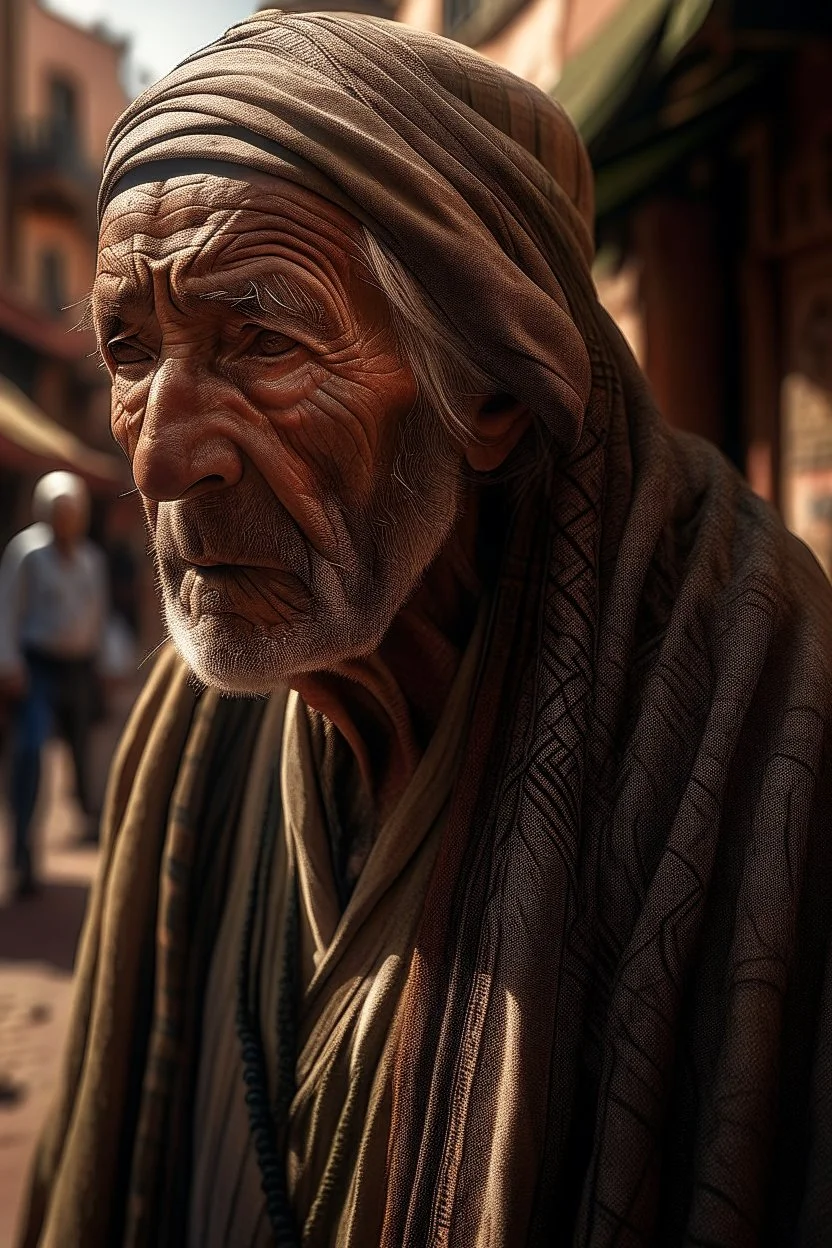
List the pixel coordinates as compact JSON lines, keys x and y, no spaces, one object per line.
{"x":38,"y":938}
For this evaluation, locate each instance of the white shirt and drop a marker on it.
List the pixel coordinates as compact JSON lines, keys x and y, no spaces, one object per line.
{"x":48,"y":601}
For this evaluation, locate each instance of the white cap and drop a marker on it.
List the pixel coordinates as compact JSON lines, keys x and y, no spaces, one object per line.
{"x":57,"y":485}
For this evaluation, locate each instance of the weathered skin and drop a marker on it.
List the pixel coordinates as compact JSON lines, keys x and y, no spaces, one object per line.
{"x":294,"y":511}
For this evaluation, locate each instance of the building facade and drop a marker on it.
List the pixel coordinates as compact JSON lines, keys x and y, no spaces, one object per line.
{"x":710,"y":128}
{"x":68,"y":93}
{"x":60,"y":92}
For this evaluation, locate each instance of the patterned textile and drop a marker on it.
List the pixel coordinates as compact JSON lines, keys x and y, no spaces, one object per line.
{"x":617,"y":1026}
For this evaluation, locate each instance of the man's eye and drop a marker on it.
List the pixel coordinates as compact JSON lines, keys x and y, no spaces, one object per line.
{"x":268,"y":342}
{"x":124,"y":351}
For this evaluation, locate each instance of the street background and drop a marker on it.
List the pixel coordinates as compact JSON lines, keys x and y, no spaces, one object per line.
{"x":37,"y":950}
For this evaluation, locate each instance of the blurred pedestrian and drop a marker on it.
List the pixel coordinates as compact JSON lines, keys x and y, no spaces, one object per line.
{"x":53,"y":602}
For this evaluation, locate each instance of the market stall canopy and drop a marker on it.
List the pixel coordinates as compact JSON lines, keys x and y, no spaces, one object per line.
{"x":602,"y":77}
{"x":30,"y":441}
{"x":662,"y":80}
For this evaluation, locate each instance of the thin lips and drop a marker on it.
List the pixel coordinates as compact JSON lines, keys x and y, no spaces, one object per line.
{"x":204,"y":565}
{"x":213,"y":564}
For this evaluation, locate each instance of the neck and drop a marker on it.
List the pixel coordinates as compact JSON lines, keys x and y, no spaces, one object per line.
{"x":388,"y":704}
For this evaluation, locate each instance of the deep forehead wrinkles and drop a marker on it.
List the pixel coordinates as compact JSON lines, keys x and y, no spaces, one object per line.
{"x":207,"y":242}
{"x":192,"y":240}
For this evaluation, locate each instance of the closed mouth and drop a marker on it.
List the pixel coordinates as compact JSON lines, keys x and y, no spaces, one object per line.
{"x":210,"y":568}
{"x":215,"y":587}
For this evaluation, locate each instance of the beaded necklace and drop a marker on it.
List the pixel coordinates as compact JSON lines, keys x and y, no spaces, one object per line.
{"x":264,"y":1121}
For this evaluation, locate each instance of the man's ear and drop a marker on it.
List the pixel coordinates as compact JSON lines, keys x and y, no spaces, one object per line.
{"x":498,"y":423}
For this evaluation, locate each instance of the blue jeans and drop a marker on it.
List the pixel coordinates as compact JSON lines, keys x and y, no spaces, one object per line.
{"x":59,"y":697}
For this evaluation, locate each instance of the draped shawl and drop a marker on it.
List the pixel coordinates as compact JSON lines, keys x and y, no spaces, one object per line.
{"x":618,"y":1015}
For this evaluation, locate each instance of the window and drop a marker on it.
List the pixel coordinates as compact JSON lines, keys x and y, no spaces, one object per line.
{"x":63,"y":112}
{"x":52,"y":282}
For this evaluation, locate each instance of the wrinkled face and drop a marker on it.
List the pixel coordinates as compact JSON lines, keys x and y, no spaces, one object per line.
{"x":262,"y":401}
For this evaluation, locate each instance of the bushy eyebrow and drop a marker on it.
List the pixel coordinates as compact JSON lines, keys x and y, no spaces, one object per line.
{"x":277,"y":291}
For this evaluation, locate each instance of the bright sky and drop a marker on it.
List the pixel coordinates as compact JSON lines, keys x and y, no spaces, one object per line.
{"x":161,"y":32}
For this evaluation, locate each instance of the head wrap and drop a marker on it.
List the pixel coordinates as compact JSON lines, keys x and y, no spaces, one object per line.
{"x":477,"y":181}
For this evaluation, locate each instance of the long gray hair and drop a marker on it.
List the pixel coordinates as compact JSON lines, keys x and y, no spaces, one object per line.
{"x":436,"y":352}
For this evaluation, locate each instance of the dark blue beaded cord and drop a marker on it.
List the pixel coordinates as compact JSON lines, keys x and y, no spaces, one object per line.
{"x":264,"y":1123}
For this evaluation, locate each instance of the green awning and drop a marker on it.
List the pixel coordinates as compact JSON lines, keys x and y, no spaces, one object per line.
{"x":600,"y":78}
{"x":685,"y":19}
{"x":640,"y":108}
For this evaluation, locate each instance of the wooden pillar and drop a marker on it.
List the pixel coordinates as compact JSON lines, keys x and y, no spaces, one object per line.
{"x":761,"y":378}
{"x":683,"y":303}
{"x":9,"y":58}
{"x":760,"y":302}
{"x":5,"y":125}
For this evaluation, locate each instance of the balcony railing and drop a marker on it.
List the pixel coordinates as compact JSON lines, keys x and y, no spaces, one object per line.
{"x":48,"y":165}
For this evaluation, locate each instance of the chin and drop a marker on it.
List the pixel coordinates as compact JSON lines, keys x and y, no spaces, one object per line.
{"x":245,"y":658}
{"x":229,"y":653}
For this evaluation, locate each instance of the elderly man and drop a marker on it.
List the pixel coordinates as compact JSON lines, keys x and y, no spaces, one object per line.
{"x":53,"y":602}
{"x":500,"y":913}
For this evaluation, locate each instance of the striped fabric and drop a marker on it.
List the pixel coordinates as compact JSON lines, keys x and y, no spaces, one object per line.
{"x":353,"y":968}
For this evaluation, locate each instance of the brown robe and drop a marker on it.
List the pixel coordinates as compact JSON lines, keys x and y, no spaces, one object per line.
{"x":617,"y":1024}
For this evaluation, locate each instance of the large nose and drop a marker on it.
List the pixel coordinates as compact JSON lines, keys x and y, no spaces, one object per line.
{"x":184,"y":446}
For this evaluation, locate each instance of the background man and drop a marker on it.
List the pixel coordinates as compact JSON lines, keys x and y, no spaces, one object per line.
{"x":501,"y":915}
{"x":53,"y":602}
